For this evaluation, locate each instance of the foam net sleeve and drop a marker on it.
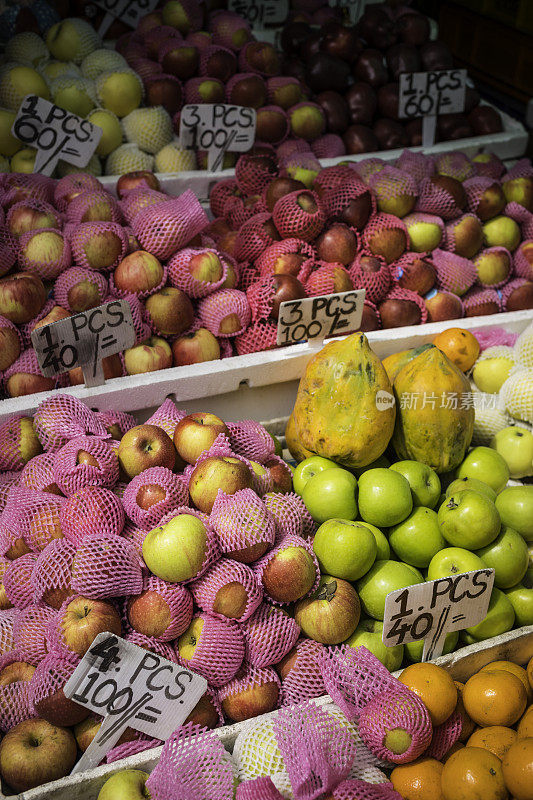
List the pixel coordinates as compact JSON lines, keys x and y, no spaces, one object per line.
{"x":80,"y":205}
{"x":10,"y":455}
{"x":139,"y":199}
{"x":288,"y":518}
{"x":15,"y":704}
{"x":75,"y":183}
{"x":456,"y":165}
{"x":522,"y":267}
{"x":337,"y":199}
{"x":106,"y":566}
{"x":163,"y":649}
{"x":253,"y":238}
{"x":179,"y":601}
{"x":227,"y":303}
{"x":242,"y":521}
{"x":180,"y":276}
{"x":322,"y":280}
{"x":269,"y":634}
{"x":193,"y":764}
{"x":40,"y":206}
{"x":261,"y":297}
{"x":52,"y":573}
{"x":37,"y":517}
{"x":266,"y":261}
{"x":395,"y":708}
{"x":250,"y":439}
{"x":91,"y":511}
{"x":258,"y":789}
{"x":165,"y":228}
{"x":304,"y":680}
{"x":49,"y":677}
{"x":444,"y":736}
{"x":224,"y":572}
{"x":39,"y":473}
{"x":292,"y":221}
{"x":219,"y":650}
{"x":417,"y":165}
{"x":134,"y":535}
{"x":289,"y":540}
{"x":375,"y":284}
{"x":474,"y":189}
{"x":127,"y":749}
{"x":357,"y":789}
{"x":245,"y":678}
{"x":17,"y":580}
{"x":176,"y":495}
{"x":436,"y":200}
{"x":253,"y":175}
{"x":7,"y":619}
{"x":74,"y":276}
{"x":220,"y":193}
{"x":475,"y":298}
{"x":45,"y":267}
{"x":30,"y":628}
{"x":71,"y":476}
{"x":121,"y":419}
{"x":62,"y":417}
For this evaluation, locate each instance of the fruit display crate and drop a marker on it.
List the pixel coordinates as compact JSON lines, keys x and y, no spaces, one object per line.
{"x":516,"y":645}
{"x":511,"y":143}
{"x":260,"y":384}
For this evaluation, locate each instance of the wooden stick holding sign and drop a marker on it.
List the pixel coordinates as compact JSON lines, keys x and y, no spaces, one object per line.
{"x":317,"y":318}
{"x":428,"y":94}
{"x":84,"y":340}
{"x":217,"y":128}
{"x":131,"y":688}
{"x":433,"y":609}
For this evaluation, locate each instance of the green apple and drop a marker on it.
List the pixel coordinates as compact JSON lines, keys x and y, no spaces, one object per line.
{"x":508,"y":556}
{"x":486,"y":465}
{"x":74,"y":96}
{"x":460,"y":484}
{"x":384,"y":497}
{"x":521,"y":598}
{"x":419,"y":578}
{"x":176,"y":551}
{"x":515,"y":506}
{"x":382,"y":578}
{"x":369,"y":634}
{"x":499,"y":619}
{"x":424,"y":482}
{"x":382,"y":542}
{"x":345,"y":549}
{"x":416,"y":540}
{"x":72,"y":39}
{"x":414,"y":650}
{"x":128,"y":784}
{"x":515,"y":445}
{"x":307,"y":469}
{"x":469,"y":519}
{"x":111,"y":130}
{"x":330,"y":494}
{"x":453,"y":561}
{"x":23,"y":160}
{"x":491,"y":372}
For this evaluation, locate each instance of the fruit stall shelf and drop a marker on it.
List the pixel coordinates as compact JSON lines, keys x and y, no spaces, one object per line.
{"x":511,"y":143}
{"x":265,"y":382}
{"x":516,"y":645}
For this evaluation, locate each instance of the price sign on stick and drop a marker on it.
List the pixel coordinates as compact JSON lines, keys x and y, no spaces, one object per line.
{"x":128,"y":11}
{"x":217,"y":128}
{"x":353,"y":8}
{"x":84,"y":340}
{"x":427,"y":94}
{"x":320,"y":317}
{"x":432,"y":609}
{"x":260,"y":12}
{"x":131,"y":688}
{"x":55,"y":133}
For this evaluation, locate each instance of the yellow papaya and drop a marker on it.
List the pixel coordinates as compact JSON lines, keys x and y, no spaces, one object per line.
{"x":295,"y":447}
{"x":434,"y":412}
{"x":344,"y":408}
{"x":394,"y":363}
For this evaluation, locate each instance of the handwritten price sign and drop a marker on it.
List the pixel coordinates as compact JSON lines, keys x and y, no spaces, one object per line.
{"x":427,"y":94}
{"x":131,"y":688}
{"x":319,"y":317}
{"x":432,"y":609}
{"x":217,"y":128}
{"x":261,"y":12}
{"x":128,"y":11}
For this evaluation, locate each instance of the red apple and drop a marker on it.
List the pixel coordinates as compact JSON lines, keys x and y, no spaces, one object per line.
{"x":138,"y":273}
{"x":149,"y":495}
{"x":132,"y":180}
{"x":195,"y":433}
{"x":290,"y":574}
{"x":397,"y":313}
{"x":35,"y":752}
{"x":370,"y":319}
{"x":206,"y":267}
{"x":15,"y":672}
{"x":23,"y":218}
{"x":225,"y":473}
{"x":194,"y":348}
{"x":84,"y":619}
{"x":59,"y":710}
{"x":149,"y":356}
{"x":249,"y":697}
{"x":86,"y":730}
{"x":145,"y":446}
{"x":149,"y":613}
{"x":54,"y":315}
{"x":286,"y":287}
{"x":281,"y":474}
{"x":204,"y":713}
{"x":102,"y":248}
{"x":337,"y":245}
{"x":443,"y":305}
{"x":170,"y":310}
{"x":10,"y":348}
{"x":20,"y":384}
{"x":418,"y":275}
{"x":231,"y":600}
{"x":22,"y":297}
{"x":331,"y":614}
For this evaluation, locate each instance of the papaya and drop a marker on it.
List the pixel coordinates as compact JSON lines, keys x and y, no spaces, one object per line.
{"x":344,"y":407}
{"x":295,"y":447}
{"x":394,"y":363}
{"x":434,"y":421}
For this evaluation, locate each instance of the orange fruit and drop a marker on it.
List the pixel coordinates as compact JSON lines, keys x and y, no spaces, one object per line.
{"x":419,"y":780}
{"x":517,"y":767}
{"x":496,"y":738}
{"x":494,"y":698}
{"x":434,"y":686}
{"x":525,"y":726}
{"x":510,"y":666}
{"x":459,"y":345}
{"x":473,"y":773}
{"x":468,"y":724}
{"x":529,"y":671}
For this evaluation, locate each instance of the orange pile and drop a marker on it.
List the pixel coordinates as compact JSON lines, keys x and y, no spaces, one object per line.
{"x":493,"y":759}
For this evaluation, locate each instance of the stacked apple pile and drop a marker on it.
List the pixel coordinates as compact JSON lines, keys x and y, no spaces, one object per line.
{"x":353,"y":73}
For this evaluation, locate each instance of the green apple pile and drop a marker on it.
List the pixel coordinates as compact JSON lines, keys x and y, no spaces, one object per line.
{"x":391,"y":527}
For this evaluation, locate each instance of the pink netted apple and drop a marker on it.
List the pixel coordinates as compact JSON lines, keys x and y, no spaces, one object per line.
{"x":138,"y":273}
{"x":194,"y":348}
{"x":83,"y":619}
{"x":149,"y":356}
{"x":252,"y":692}
{"x":22,"y":297}
{"x":145,"y":446}
{"x":15,"y":672}
{"x":24,"y":218}
{"x":132,"y":180}
{"x":86,"y":730}
{"x":205,"y":267}
{"x":225,"y":473}
{"x":102,"y":248}
{"x":337,"y":244}
{"x":443,"y":305}
{"x":5,"y":602}
{"x":10,"y":347}
{"x":418,"y":274}
{"x":177,"y":550}
{"x":195,"y":433}
{"x":280,"y":473}
{"x":35,"y":752}
{"x":171,"y":311}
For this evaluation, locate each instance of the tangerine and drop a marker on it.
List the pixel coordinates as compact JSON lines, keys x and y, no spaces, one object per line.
{"x":419,"y":780}
{"x":496,"y":738}
{"x":494,"y":698}
{"x":529,"y":671}
{"x":434,"y":686}
{"x":517,"y":670}
{"x":473,"y":773}
{"x":525,"y":726}
{"x":468,"y":725}
{"x":517,"y":767}
{"x":459,"y":345}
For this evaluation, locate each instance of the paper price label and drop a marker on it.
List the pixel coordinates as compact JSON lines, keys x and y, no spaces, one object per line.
{"x":129,"y":11}
{"x":261,"y":12}
{"x":352,"y":8}
{"x":217,"y":128}
{"x":84,"y":340}
{"x":320,"y":317}
{"x":55,"y":133}
{"x":429,"y":93}
{"x":131,"y":688}
{"x":432,"y":609}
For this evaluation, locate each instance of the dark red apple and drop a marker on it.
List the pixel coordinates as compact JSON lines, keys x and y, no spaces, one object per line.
{"x":436,"y":55}
{"x":287,"y":287}
{"x":452,"y":186}
{"x":336,"y":110}
{"x":362,"y":103}
{"x":370,"y":319}
{"x":396,"y":313}
{"x":360,"y":139}
{"x":419,"y":276}
{"x":388,"y":100}
{"x":370,"y":67}
{"x":337,"y":244}
{"x":327,"y":72}
{"x":390,"y":134}
{"x":279,"y":187}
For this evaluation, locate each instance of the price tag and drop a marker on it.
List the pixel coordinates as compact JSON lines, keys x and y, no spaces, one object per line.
{"x":84,"y":340}
{"x":131,"y":688}
{"x":261,"y":12}
{"x":427,"y":94}
{"x":128,"y":11}
{"x":352,"y":8}
{"x":217,"y":128}
{"x":320,"y":317}
{"x":432,"y":609}
{"x":55,"y":133}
